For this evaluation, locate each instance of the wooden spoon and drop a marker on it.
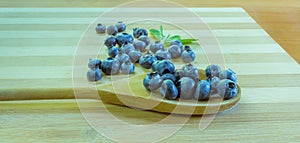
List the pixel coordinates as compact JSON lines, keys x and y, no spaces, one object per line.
{"x":131,"y":92}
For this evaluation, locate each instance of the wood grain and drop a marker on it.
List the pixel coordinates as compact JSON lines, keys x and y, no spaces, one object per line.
{"x":246,"y":50}
{"x":269,"y":77}
{"x":271,"y":15}
{"x":61,"y":121}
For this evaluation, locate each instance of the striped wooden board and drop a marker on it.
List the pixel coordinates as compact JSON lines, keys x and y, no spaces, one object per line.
{"x":37,"y":47}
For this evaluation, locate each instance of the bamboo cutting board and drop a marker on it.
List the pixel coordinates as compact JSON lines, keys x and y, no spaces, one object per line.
{"x":38,"y":45}
{"x":37,"y":48}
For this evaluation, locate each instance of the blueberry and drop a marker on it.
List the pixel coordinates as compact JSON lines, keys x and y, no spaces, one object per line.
{"x":121,"y":26}
{"x":168,"y":90}
{"x":213,"y":84}
{"x":186,"y":87}
{"x":179,"y":73}
{"x":135,"y":55}
{"x":175,"y":51}
{"x":127,"y":67}
{"x":163,"y":55}
{"x":140,"y":45}
{"x":110,"y":66}
{"x":187,"y":48}
{"x":100,"y":28}
{"x":152,"y":81}
{"x":145,"y":39}
{"x":188,"y":55}
{"x":94,"y":74}
{"x":94,"y":64}
{"x":137,"y":32}
{"x":165,"y":66}
{"x":190,"y":71}
{"x":127,"y":48}
{"x":124,"y":38}
{"x":169,"y":76}
{"x":212,"y":70}
{"x":112,"y":30}
{"x":154,"y":65}
{"x":202,"y":90}
{"x":110,"y":42}
{"x":147,"y":60}
{"x":122,"y":57}
{"x":227,"y":89}
{"x":113,"y":51}
{"x":157,"y":45}
{"x":176,"y":42}
{"x":228,"y":74}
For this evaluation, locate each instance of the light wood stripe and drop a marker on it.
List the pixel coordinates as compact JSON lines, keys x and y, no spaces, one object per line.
{"x":252,"y":58}
{"x":76,"y":34}
{"x":40,"y":34}
{"x":36,"y":72}
{"x":262,"y":95}
{"x":252,"y":48}
{"x":97,"y":14}
{"x":35,"y":84}
{"x":31,"y":61}
{"x":81,"y":27}
{"x":270,"y":80}
{"x":6,"y":42}
{"x":265,"y":68}
{"x":71,"y":10}
{"x":113,"y":20}
{"x":11,"y":51}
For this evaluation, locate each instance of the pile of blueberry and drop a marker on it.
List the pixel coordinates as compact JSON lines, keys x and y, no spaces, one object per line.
{"x":184,"y":83}
{"x":125,"y":49}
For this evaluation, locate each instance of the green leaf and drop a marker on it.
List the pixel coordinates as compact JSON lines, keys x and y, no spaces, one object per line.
{"x":155,"y":33}
{"x":175,"y":37}
{"x":168,"y":36}
{"x":161,"y":30}
{"x":159,"y":35}
{"x":188,"y":41}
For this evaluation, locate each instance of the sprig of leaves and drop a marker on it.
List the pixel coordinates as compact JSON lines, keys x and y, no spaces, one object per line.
{"x":159,"y":35}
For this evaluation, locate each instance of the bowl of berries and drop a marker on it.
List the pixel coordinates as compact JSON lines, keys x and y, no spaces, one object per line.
{"x":157,"y":72}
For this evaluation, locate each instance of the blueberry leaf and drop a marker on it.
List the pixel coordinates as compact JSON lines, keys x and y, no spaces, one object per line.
{"x":161,"y":31}
{"x":168,"y":36}
{"x":159,"y":35}
{"x":156,"y":33}
{"x":187,"y":41}
{"x":175,"y":37}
